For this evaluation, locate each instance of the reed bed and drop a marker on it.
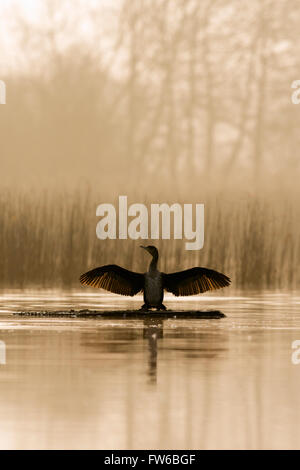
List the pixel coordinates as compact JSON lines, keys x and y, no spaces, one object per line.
{"x":47,"y":239}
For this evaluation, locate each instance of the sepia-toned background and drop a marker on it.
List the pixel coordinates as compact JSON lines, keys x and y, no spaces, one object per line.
{"x":185,"y":101}
{"x":163,"y":101}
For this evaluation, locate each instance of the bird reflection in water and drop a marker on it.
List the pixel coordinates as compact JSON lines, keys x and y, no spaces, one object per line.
{"x":153,"y":331}
{"x":199,"y":345}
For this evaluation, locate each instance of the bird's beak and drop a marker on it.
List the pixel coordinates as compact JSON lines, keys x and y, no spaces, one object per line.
{"x":142,"y":246}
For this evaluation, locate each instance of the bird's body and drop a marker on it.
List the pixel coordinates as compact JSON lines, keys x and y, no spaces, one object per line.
{"x":153,"y":289}
{"x":153,"y":283}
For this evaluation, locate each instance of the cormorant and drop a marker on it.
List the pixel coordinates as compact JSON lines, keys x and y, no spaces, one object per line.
{"x":153,"y":283}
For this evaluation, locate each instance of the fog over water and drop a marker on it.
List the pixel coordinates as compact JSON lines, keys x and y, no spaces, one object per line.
{"x":129,"y":384}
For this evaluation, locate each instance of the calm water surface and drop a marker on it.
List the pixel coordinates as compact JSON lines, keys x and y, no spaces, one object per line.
{"x":68,"y":383}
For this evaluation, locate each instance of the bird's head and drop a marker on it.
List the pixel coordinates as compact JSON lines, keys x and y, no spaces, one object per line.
{"x":151,"y":249}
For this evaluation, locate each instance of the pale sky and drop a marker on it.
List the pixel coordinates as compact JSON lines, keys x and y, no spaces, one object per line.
{"x":35,"y":14}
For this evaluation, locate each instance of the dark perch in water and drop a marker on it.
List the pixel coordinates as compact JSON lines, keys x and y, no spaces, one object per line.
{"x":153,"y":283}
{"x":123,"y":314}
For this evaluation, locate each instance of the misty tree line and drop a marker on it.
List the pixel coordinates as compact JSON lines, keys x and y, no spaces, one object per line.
{"x":189,"y":95}
{"x":189,"y":88}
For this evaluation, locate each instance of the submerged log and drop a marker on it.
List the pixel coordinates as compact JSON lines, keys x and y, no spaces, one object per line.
{"x":123,"y":314}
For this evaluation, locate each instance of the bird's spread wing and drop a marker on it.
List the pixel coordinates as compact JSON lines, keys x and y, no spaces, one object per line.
{"x":114,"y":279}
{"x":194,"y":281}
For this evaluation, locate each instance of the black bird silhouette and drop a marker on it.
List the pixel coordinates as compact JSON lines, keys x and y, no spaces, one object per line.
{"x":153,"y":283}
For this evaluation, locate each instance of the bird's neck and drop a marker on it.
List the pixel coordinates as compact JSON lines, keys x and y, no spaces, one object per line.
{"x":153,"y":264}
